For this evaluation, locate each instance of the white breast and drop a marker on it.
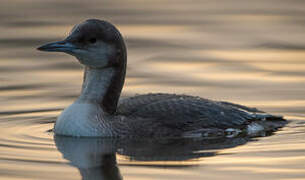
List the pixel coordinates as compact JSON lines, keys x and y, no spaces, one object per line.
{"x":82,"y":119}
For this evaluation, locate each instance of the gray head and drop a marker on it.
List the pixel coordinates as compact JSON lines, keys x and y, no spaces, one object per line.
{"x":95,"y":43}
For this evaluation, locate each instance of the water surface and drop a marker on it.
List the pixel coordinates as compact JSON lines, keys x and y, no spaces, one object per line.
{"x":251,"y":53}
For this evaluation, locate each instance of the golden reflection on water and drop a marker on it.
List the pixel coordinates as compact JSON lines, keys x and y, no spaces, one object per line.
{"x":246,"y":52}
{"x":287,"y":56}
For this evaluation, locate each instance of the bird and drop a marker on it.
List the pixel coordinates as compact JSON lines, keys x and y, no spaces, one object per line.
{"x":98,"y":111}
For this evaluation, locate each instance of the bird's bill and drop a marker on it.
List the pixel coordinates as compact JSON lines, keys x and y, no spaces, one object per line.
{"x":59,"y":46}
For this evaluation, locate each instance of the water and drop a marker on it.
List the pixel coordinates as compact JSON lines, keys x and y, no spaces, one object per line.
{"x":251,"y":53}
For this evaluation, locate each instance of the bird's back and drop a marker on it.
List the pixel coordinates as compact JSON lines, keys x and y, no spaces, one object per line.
{"x":182,"y":113}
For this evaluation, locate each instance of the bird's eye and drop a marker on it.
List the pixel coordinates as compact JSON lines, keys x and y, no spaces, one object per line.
{"x":92,"y":40}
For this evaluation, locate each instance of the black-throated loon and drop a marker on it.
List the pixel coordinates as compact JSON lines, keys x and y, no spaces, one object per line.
{"x":100,"y":47}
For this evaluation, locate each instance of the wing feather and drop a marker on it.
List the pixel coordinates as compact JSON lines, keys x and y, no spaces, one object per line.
{"x":186,"y":112}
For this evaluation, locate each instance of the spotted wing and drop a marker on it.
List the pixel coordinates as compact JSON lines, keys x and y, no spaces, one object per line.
{"x":188,"y":112}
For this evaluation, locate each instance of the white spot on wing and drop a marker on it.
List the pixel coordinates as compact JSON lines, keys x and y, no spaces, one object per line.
{"x":254,"y":128}
{"x":231,"y":132}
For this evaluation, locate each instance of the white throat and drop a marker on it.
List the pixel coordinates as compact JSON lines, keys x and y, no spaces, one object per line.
{"x":95,"y":85}
{"x":85,"y":117}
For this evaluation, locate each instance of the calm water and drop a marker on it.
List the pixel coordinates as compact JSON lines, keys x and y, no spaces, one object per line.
{"x":247,"y":52}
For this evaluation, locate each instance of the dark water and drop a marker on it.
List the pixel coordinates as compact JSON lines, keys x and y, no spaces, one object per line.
{"x":247,"y":52}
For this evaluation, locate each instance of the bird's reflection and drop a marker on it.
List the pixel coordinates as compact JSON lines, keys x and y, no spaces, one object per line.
{"x":95,"y":158}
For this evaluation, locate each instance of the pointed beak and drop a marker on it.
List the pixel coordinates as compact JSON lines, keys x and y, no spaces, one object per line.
{"x":59,"y":46}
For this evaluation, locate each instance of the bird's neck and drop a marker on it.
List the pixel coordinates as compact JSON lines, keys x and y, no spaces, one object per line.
{"x":96,"y":84}
{"x":103,"y":86}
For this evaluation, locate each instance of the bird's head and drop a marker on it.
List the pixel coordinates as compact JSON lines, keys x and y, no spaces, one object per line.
{"x":95,"y":43}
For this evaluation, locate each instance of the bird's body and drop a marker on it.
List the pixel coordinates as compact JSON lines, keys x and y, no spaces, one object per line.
{"x":98,"y":112}
{"x":165,"y":115}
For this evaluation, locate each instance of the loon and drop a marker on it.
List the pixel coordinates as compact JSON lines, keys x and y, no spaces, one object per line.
{"x":97,"y":112}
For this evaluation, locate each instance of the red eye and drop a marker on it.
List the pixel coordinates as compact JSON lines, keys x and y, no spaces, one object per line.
{"x":92,"y":40}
